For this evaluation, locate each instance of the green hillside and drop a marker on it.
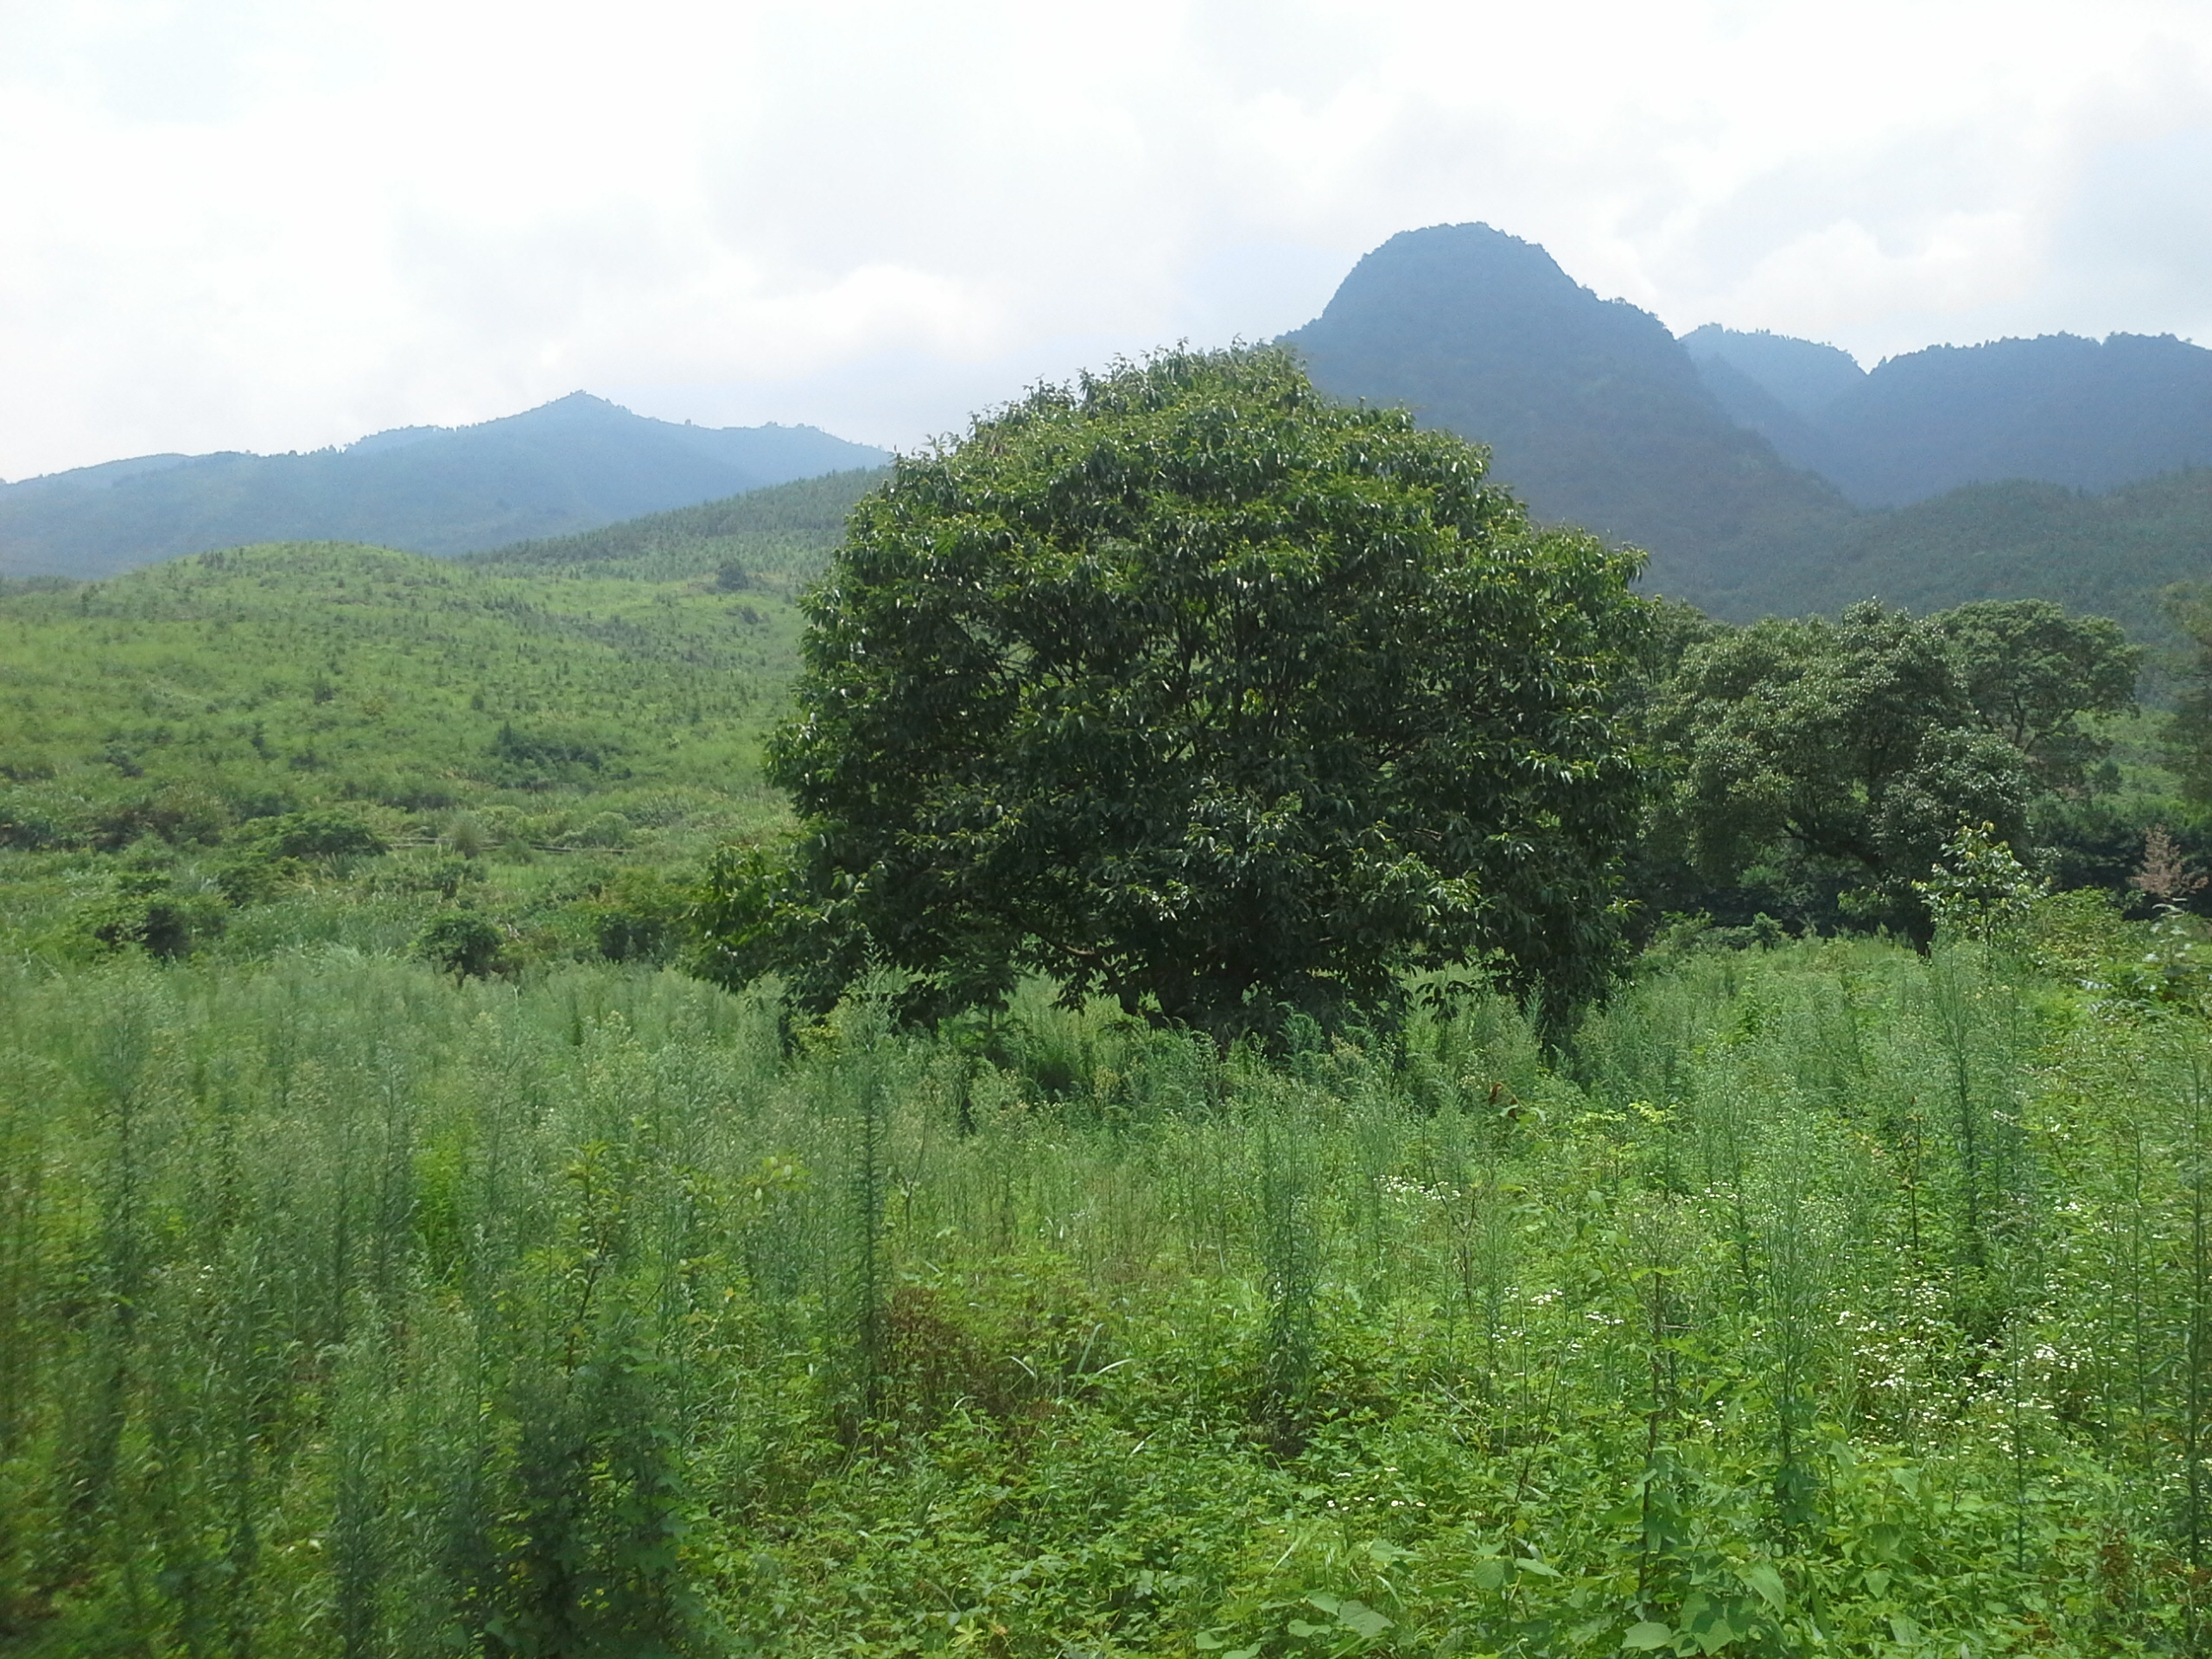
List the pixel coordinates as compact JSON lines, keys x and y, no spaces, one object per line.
{"x":784,"y":533}
{"x":501,"y":734}
{"x":570,"y":465}
{"x":396,"y":1261}
{"x":2109,"y":554}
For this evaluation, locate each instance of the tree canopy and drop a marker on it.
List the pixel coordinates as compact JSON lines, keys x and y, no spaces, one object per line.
{"x":1189,"y":686}
{"x":1864,"y":744}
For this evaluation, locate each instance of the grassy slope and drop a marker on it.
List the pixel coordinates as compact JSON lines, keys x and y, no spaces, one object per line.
{"x":780,"y":536}
{"x":274,"y":678}
{"x":554,"y":731}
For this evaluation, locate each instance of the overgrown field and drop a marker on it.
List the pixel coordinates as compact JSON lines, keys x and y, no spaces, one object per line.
{"x":226,"y":753}
{"x":1819,"y":1299}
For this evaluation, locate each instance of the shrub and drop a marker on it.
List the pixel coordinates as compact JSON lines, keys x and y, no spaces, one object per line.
{"x":465,"y":944}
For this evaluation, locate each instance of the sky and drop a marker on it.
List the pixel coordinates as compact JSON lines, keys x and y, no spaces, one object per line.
{"x":276,"y":225}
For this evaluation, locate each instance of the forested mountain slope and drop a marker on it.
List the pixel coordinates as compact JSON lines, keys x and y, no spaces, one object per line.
{"x":569,"y":466}
{"x":2109,"y":554}
{"x":1729,"y":456}
{"x":1594,"y":412}
{"x":788,"y":531}
{"x":2057,"y":409}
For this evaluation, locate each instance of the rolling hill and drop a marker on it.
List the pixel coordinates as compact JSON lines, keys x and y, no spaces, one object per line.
{"x":569,"y":466}
{"x":786,"y":532}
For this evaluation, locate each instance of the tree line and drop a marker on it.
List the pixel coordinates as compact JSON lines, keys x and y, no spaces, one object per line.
{"x":1189,"y":686}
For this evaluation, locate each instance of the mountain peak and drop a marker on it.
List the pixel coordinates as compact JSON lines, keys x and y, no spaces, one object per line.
{"x":1592,"y":410}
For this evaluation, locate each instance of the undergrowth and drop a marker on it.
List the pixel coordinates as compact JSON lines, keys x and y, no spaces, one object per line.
{"x":1823,"y":1298}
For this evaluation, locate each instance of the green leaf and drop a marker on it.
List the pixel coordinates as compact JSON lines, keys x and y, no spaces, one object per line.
{"x":1356,"y":1616}
{"x":1490,"y":1573}
{"x":1766,"y":1583}
{"x":1383,"y":1552}
{"x":1647,"y":1635}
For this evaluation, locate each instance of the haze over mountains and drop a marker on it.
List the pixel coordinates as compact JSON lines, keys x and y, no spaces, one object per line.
{"x":1768,"y":474}
{"x":568,"y":465}
{"x":2059,"y":409}
{"x":1763,"y":473}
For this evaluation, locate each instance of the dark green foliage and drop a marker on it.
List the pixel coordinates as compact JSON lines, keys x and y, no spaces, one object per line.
{"x":1860,"y":748}
{"x":2189,"y":730}
{"x":1193,"y":687}
{"x":324,"y":834}
{"x":2031,"y":674}
{"x":640,"y":917}
{"x":465,"y":944}
{"x":540,"y":760}
{"x":145,"y":908}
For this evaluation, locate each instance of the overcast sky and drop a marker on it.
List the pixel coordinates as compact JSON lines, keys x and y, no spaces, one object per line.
{"x":278,"y":223}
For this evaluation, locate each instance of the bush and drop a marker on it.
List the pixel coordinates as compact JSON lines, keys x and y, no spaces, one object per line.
{"x":317,"y":835}
{"x":464,"y":943}
{"x":639,"y":917}
{"x":146,"y":911}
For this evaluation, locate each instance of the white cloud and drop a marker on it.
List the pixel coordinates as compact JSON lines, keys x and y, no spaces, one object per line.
{"x":272,"y":224}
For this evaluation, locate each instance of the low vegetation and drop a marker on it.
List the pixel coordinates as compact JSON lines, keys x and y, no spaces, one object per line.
{"x":1822,"y":1298}
{"x":400,"y":1254}
{"x":487,"y":736}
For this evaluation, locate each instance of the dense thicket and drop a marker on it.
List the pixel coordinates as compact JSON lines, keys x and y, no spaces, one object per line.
{"x":1830,"y":762}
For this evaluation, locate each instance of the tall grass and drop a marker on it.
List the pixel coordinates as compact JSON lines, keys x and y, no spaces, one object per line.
{"x":1826,"y":1289}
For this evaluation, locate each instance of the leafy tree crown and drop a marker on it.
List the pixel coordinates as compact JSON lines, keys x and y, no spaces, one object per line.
{"x":1188,"y":685}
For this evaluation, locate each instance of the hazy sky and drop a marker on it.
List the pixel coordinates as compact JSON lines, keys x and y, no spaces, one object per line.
{"x":278,"y":223}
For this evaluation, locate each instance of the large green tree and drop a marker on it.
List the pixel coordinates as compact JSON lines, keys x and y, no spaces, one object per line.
{"x":1193,"y":687}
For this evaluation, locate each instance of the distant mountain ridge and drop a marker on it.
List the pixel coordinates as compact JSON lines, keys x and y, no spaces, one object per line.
{"x":2056,"y":409}
{"x":569,"y":466}
{"x":1766,"y":473}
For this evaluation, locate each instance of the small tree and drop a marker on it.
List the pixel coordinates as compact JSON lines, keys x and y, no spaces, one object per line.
{"x":1192,"y":687}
